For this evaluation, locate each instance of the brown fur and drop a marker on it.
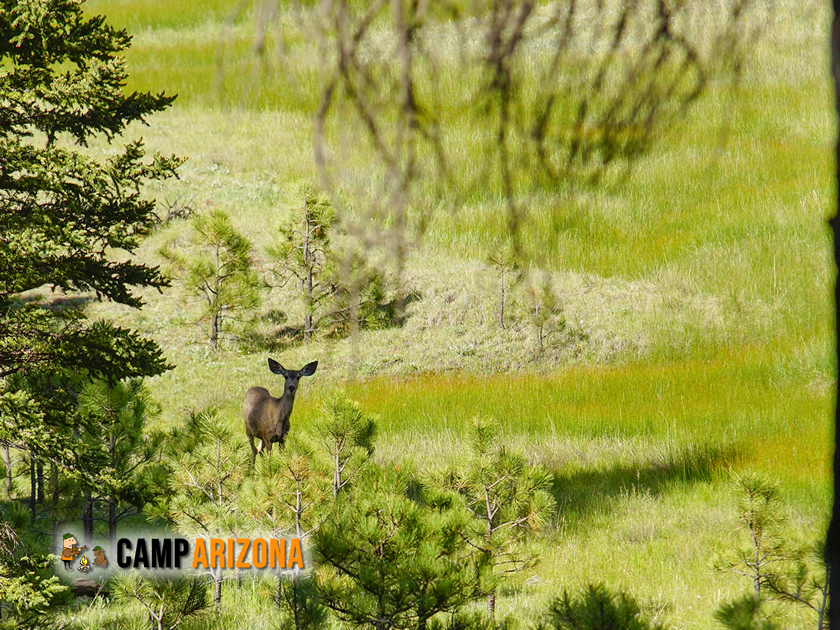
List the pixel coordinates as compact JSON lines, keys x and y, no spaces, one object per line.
{"x":267,"y":417}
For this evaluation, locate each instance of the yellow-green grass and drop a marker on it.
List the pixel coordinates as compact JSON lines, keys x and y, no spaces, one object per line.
{"x":726,"y":212}
{"x":158,"y":14}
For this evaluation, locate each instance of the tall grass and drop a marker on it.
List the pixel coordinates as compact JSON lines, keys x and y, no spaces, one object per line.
{"x":702,"y":282}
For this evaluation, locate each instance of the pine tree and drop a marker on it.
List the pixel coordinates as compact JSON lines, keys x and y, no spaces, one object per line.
{"x":65,"y":214}
{"x":217,"y":267}
{"x":114,"y":425}
{"x":395,"y":562}
{"x":203,"y":477}
{"x":305,"y":254}
{"x":507,"y":498}
{"x":63,"y":211}
{"x":290,"y":495}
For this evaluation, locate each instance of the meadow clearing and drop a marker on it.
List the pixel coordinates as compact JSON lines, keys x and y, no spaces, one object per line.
{"x":696,"y":294}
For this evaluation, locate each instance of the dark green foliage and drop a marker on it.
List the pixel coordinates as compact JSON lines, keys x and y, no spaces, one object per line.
{"x":203,"y":473}
{"x":744,"y":614}
{"x":112,"y":431}
{"x":597,"y":608}
{"x":286,"y":493}
{"x":340,"y":287}
{"x":70,"y":222}
{"x":393,"y":563}
{"x":305,"y":253}
{"x":362,"y":295}
{"x":204,"y":469}
{"x":507,"y":498}
{"x":168,"y":601}
{"x":299,"y":598}
{"x":804,"y":582}
{"x":28,"y":591}
{"x":778,"y":568}
{"x":289,"y":494}
{"x":63,"y":212}
{"x":347,"y":438}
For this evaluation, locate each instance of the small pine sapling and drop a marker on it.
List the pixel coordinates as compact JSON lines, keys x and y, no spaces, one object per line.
{"x":29,"y":593}
{"x":114,"y":423}
{"x":346,"y":437}
{"x":761,"y":518}
{"x":744,"y":614}
{"x":545,"y":310}
{"x":304,"y":253}
{"x":168,"y":601}
{"x":217,"y":267}
{"x":395,"y":562}
{"x":777,"y":568}
{"x":204,"y":475}
{"x":504,"y":261}
{"x":290,"y":494}
{"x":509,"y":498}
{"x":597,"y":608}
{"x":805,"y":582}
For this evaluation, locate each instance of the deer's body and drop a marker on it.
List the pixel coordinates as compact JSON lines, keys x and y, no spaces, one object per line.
{"x":267,"y":417}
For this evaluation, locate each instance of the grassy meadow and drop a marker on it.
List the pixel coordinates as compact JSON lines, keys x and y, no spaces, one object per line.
{"x":696,"y":292}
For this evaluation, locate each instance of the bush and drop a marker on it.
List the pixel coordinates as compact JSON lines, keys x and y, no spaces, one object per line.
{"x":597,"y":609}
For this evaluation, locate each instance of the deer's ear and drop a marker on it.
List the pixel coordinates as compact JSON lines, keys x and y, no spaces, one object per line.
{"x":276,"y":367}
{"x":309,"y":369}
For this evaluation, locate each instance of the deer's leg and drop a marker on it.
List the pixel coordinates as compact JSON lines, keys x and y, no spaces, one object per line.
{"x":253,"y":450}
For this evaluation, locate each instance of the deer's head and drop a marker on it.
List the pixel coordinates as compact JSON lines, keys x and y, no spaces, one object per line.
{"x":292,"y":376}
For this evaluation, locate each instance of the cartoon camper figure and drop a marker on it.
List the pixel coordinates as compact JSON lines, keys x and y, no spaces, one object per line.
{"x":99,"y":559}
{"x":70,"y":550}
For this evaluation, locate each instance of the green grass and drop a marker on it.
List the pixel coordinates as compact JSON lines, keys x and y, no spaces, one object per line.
{"x":700,"y":285}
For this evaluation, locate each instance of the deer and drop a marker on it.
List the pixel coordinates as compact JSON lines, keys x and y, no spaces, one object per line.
{"x":267,"y":417}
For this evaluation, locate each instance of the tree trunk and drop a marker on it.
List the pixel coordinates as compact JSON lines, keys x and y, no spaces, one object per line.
{"x":502,"y":301}
{"x":87,"y":517}
{"x":217,"y":589}
{"x":39,"y":473}
{"x":7,"y":462}
{"x":215,"y":326}
{"x":310,"y":272}
{"x":278,"y":590}
{"x":33,"y":485}
{"x":295,"y":601}
{"x":56,"y":494}
{"x":832,"y":545}
{"x":112,"y":523}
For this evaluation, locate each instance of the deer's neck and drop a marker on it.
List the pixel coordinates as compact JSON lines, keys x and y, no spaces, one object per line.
{"x":287,"y":399}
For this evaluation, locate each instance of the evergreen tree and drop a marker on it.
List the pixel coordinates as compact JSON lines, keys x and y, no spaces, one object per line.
{"x":168,"y":601}
{"x":507,"y":498}
{"x":305,"y":254}
{"x":395,"y":562}
{"x":290,"y":495}
{"x":347,"y":438}
{"x":203,"y":477}
{"x":597,"y":609}
{"x":114,"y":422}
{"x":217,"y":267}
{"x":28,"y":593}
{"x":777,"y":568}
{"x":545,"y":310}
{"x":340,"y":286}
{"x":65,"y":213}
